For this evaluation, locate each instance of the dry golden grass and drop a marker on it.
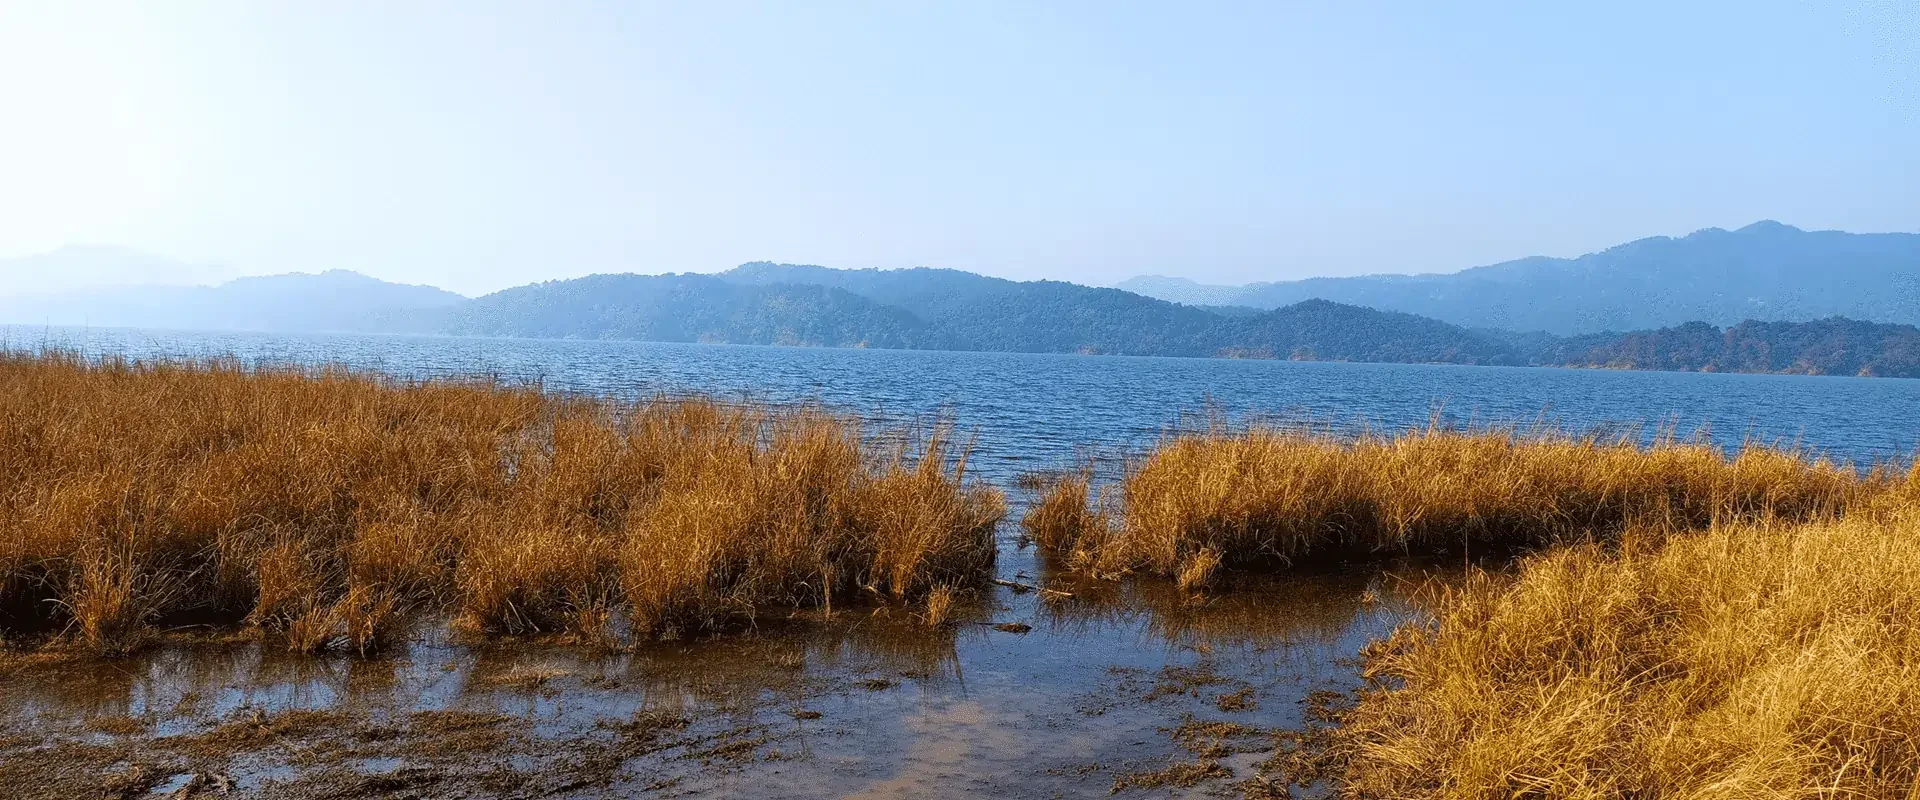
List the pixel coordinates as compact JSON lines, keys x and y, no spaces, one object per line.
{"x":325,"y":505}
{"x":1064,"y":513}
{"x":1266,"y":497}
{"x":1760,"y":660}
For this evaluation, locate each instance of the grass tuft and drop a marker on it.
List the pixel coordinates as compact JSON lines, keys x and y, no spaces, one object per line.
{"x":326,"y":505}
{"x":1265,"y":498}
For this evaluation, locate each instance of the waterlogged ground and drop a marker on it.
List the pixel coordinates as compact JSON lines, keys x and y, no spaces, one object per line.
{"x":1121,"y":687}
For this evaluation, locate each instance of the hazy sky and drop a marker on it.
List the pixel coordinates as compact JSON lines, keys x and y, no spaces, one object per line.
{"x":477,"y":145}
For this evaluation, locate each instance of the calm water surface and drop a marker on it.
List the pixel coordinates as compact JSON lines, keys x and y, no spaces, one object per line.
{"x":869,"y":703}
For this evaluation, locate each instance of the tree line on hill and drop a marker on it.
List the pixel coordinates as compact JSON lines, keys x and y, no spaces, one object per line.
{"x":1832,"y":346}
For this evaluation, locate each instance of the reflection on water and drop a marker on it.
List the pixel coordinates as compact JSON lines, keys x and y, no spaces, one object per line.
{"x":1302,"y":610}
{"x":864,"y":702}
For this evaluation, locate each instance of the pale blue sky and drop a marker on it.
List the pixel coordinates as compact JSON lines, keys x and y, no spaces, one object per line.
{"x":477,"y":145}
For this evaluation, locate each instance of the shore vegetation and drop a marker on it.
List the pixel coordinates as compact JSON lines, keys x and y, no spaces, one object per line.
{"x":1273,"y":498}
{"x":324,"y":505}
{"x":1769,"y":660}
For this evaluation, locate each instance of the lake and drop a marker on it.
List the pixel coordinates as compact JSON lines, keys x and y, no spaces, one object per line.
{"x":1112,"y":687}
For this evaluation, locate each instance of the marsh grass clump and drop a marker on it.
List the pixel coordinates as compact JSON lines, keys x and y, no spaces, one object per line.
{"x":1064,"y":514}
{"x":808,"y":522}
{"x":1265,"y":497}
{"x":324,"y":506}
{"x":1750,"y":660}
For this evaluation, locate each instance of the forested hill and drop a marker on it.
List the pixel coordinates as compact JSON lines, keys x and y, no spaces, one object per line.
{"x":1321,"y":330}
{"x":1834,"y":346}
{"x":693,"y":308}
{"x":944,"y":309}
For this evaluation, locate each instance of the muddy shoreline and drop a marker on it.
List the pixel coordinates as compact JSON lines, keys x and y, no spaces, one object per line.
{"x":1130,"y":687}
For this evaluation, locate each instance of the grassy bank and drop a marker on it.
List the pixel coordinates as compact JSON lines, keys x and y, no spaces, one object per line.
{"x":1763,"y":660}
{"x":1268,"y":497}
{"x":323,"y":505}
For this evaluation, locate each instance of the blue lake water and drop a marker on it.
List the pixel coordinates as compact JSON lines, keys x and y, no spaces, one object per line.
{"x":1038,"y":411}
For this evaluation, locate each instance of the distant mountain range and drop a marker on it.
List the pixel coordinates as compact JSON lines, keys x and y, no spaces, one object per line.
{"x":692,"y":308}
{"x":335,"y":300}
{"x":766,"y":303}
{"x":1765,"y":271}
{"x":84,"y":268}
{"x":1187,"y":291}
{"x":941,"y":309}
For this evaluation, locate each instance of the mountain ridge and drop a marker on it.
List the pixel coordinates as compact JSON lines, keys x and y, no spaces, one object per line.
{"x":929,"y":308}
{"x":997,"y":315}
{"x":689,"y":307}
{"x":1765,"y":271}
{"x":331,"y":300}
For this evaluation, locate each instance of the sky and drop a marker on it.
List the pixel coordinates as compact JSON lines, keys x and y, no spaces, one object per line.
{"x":480,"y":145}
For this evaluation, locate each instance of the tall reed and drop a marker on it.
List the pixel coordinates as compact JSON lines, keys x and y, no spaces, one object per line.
{"x":1267,"y":497}
{"x":325,"y":504}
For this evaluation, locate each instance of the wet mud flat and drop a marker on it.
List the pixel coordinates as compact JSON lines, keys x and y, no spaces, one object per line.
{"x":1093,"y":688}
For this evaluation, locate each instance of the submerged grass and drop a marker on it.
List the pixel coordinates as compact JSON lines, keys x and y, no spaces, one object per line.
{"x":1200,"y":503}
{"x":1767,"y":660}
{"x":325,"y":504}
